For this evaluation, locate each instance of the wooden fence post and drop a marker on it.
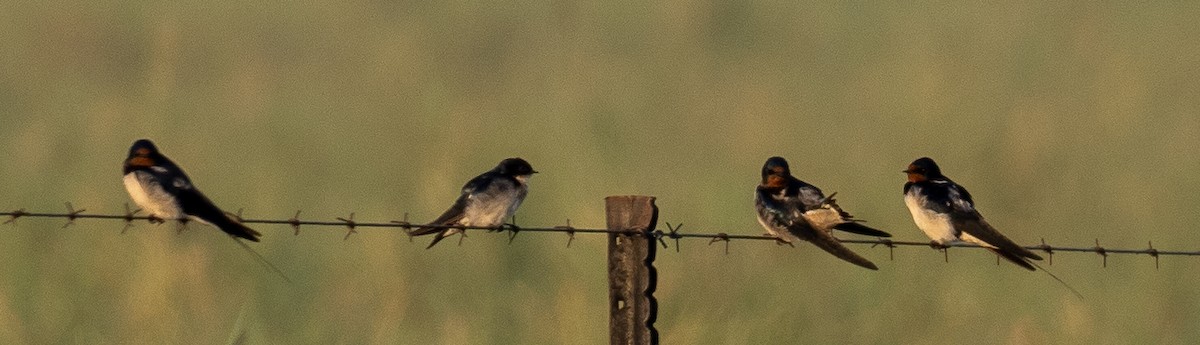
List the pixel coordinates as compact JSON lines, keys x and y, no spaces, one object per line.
{"x":631,"y":274}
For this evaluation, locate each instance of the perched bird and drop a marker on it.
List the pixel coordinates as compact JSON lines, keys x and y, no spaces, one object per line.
{"x":790,"y":210}
{"x":945,"y":212}
{"x":158,"y":186}
{"x":486,"y":200}
{"x":813,"y":199}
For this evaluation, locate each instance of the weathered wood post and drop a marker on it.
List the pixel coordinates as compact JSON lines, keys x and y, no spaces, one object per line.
{"x":631,"y":274}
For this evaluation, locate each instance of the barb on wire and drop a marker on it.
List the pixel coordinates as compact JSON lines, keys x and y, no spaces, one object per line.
{"x":72,"y":213}
{"x":721,"y":237}
{"x":350,"y":225}
{"x":890,"y":246}
{"x":673,"y":232}
{"x":1049,"y":251}
{"x":14,"y":215}
{"x":511,"y":227}
{"x":294,"y":222}
{"x":1153,"y":253}
{"x":1103,"y":253}
{"x":404,"y":224}
{"x":658,"y":235}
{"x":129,"y":218}
{"x":569,"y":230}
{"x":941,"y":247}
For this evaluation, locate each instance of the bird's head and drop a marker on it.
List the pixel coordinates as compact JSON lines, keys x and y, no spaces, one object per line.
{"x":923,"y":169}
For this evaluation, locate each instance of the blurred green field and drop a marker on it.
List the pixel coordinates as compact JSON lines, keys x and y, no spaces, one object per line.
{"x":1067,"y":121}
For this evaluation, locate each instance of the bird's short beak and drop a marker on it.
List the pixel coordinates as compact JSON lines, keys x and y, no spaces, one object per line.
{"x":534,"y":172}
{"x":906,"y":171}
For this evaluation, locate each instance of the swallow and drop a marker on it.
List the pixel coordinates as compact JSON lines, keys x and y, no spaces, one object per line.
{"x":161,"y":188}
{"x":486,"y":200}
{"x":945,"y":212}
{"x":812,"y":198}
{"x":791,"y":210}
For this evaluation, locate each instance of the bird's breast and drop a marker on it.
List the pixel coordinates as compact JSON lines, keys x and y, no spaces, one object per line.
{"x":935,"y":225}
{"x":149,"y":195}
{"x":772,"y":220}
{"x":490,"y":208}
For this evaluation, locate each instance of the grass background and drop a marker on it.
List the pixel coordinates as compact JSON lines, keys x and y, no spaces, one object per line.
{"x":1067,"y":121}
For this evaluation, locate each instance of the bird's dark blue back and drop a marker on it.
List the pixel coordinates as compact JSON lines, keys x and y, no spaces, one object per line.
{"x":939,"y":194}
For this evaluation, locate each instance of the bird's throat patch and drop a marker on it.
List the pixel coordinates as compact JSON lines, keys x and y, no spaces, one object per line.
{"x":775,"y":181}
{"x":915,"y":177}
{"x":141,"y":161}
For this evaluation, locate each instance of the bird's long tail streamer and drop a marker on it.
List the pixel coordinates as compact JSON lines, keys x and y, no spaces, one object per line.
{"x":1060,"y":281}
{"x":262,"y":260}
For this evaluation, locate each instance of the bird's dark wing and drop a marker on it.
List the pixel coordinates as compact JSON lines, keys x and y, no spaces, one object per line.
{"x":941,"y":196}
{"x":197,"y":205}
{"x":974,"y":225}
{"x":822,"y":239}
{"x":842,"y":220}
{"x":450,"y":217}
{"x":962,"y":194}
{"x":1014,"y":258}
{"x":859,"y":228}
{"x":809,"y":196}
{"x":455,"y":212}
{"x":966,"y":219}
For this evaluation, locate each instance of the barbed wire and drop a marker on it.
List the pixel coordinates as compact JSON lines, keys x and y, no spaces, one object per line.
{"x":673,"y":233}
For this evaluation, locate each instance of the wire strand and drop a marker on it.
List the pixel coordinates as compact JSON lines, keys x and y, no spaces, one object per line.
{"x":673,"y":232}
